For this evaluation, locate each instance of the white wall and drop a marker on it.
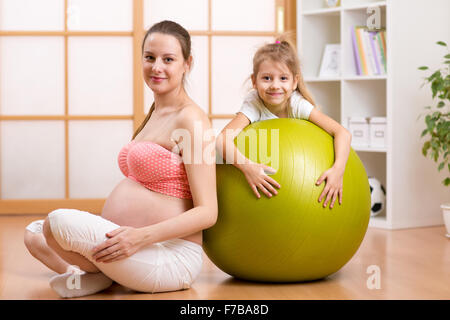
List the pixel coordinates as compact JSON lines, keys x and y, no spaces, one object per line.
{"x":416,"y":26}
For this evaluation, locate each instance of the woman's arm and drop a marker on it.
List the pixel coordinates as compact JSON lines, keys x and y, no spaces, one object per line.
{"x":201,"y":173}
{"x":255,"y":173}
{"x":342,"y":141}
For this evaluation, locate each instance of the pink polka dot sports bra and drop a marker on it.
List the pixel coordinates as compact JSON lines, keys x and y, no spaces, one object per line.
{"x":155,"y":167}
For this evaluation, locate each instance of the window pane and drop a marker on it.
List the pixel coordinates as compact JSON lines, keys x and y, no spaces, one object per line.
{"x":93,"y":150}
{"x":32,"y":159}
{"x":100,"y":15}
{"x":231,"y":69}
{"x":32,"y":15}
{"x":100,"y":75}
{"x":192,"y":15}
{"x":32,"y":75}
{"x":248,"y":15}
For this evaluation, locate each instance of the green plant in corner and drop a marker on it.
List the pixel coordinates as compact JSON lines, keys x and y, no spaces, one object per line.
{"x":437,"y":119}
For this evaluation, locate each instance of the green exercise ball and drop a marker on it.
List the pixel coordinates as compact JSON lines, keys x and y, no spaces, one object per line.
{"x":290,"y":237}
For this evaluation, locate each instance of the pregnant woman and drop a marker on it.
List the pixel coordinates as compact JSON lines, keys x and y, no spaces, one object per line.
{"x":149,"y":235}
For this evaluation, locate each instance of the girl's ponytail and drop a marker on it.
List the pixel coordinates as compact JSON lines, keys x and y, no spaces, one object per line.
{"x":284,"y":50}
{"x":301,"y":87}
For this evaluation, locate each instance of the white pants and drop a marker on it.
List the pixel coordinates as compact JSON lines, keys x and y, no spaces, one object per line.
{"x":166,"y":266}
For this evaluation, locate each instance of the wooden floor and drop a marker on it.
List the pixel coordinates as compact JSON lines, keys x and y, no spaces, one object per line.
{"x":414,"y":264}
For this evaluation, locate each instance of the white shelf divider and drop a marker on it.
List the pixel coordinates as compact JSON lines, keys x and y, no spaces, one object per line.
{"x":324,"y":12}
{"x":365,"y":5}
{"x":369,"y":149}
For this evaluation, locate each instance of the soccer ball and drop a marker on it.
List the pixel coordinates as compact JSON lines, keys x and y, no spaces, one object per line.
{"x":377,"y":196}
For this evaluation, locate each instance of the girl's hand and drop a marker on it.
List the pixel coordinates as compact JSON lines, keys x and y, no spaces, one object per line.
{"x":333,"y":186}
{"x":257,"y":178}
{"x":122,"y":243}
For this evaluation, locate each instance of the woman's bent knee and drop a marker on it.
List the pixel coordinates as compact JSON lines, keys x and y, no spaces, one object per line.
{"x":56,"y":226}
{"x":28,"y":240}
{"x":35,"y":240}
{"x":76,"y":230}
{"x":35,"y":243}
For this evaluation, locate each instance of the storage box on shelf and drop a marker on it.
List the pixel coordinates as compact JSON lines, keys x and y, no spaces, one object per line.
{"x":368,"y":133}
{"x":359,"y":128}
{"x":377,"y":132}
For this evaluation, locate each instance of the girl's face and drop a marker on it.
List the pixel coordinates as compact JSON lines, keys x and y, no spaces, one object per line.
{"x":163,"y":63}
{"x":274,"y":83}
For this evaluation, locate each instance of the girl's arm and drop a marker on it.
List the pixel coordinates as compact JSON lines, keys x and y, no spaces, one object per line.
{"x":255,"y":173}
{"x":342,"y":141}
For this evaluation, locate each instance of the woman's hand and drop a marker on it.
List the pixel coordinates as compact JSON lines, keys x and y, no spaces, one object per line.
{"x":333,"y":186}
{"x":122,"y":243}
{"x":257,"y":178}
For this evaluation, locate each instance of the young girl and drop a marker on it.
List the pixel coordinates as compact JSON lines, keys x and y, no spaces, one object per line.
{"x":280,"y":93}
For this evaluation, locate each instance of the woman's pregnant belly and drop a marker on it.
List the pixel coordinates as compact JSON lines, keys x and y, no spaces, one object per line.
{"x":131,"y":204}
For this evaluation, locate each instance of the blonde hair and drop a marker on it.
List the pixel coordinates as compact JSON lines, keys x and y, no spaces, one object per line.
{"x":283,"y":50}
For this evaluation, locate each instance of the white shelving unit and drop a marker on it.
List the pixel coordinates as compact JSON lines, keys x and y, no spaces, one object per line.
{"x":414,"y":191}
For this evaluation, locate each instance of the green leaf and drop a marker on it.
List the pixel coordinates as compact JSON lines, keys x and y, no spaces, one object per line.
{"x":423,"y":68}
{"x":447,"y":56}
{"x":425,"y":148}
{"x":434,"y":88}
{"x":424,"y":132}
{"x":436,"y":74}
{"x":442,"y":131}
{"x":441,"y":43}
{"x":435,"y":145}
{"x":430,"y":123}
{"x":446,"y":182}
{"x":441,"y":166}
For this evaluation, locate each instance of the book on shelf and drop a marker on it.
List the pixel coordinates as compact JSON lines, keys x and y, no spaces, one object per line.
{"x":369,"y":50}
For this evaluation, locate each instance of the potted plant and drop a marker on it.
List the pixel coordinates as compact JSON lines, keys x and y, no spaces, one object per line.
{"x":437,"y":120}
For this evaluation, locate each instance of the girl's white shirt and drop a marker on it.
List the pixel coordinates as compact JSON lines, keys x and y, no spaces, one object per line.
{"x":255,"y":110}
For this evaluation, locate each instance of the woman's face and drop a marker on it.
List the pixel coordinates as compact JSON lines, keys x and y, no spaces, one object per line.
{"x":163,"y":63}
